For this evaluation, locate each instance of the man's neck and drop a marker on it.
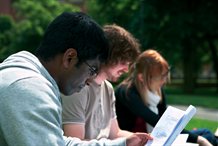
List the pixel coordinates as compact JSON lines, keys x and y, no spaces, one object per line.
{"x":100,"y":78}
{"x":53,"y":67}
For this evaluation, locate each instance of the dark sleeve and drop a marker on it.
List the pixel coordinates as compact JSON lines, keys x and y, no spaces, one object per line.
{"x":191,"y":137}
{"x":134,"y":103}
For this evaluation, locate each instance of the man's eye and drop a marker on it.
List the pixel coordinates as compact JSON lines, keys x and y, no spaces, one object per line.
{"x":93,"y":71}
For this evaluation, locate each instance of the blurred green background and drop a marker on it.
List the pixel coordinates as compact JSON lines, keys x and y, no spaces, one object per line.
{"x":184,"y":32}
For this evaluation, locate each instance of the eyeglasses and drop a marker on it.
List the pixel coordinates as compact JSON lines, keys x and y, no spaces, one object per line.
{"x":93,"y":70}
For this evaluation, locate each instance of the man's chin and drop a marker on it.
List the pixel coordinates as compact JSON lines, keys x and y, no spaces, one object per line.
{"x":113,"y":79}
{"x":75,"y":90}
{"x":79,"y":89}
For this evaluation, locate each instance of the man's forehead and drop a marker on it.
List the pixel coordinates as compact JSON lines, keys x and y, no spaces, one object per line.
{"x":125,"y":62}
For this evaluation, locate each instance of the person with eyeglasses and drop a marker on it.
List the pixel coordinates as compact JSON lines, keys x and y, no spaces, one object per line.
{"x":90,"y":113}
{"x":71,"y":51}
{"x":140,"y":100}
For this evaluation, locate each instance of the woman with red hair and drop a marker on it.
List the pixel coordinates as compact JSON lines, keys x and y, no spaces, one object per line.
{"x":140,"y":101}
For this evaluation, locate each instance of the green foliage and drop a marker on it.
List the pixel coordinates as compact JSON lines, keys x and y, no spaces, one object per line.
{"x":157,"y":23}
{"x":41,"y":12}
{"x":32,"y":18}
{"x":105,"y":11}
{"x":6,"y":24}
{"x":180,"y":30}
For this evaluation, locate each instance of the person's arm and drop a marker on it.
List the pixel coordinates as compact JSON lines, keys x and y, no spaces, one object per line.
{"x":121,"y":138}
{"x":116,"y":132}
{"x":194,"y":138}
{"x":203,"y":141}
{"x":70,"y":141}
{"x":32,"y":116}
{"x":74,"y":130}
{"x":136,"y":138}
{"x":74,"y":113}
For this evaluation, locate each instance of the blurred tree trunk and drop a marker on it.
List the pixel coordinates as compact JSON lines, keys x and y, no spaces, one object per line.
{"x":213,"y":50}
{"x":189,"y":71}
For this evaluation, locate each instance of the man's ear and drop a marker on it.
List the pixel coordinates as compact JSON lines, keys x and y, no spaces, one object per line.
{"x":70,"y":57}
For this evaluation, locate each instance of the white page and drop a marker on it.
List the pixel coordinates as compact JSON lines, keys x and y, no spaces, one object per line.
{"x":181,"y":139}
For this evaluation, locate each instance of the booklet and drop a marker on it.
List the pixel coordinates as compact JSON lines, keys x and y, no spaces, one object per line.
{"x":170,"y":125}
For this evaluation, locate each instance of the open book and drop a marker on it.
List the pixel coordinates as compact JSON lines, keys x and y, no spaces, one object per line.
{"x":170,"y":125}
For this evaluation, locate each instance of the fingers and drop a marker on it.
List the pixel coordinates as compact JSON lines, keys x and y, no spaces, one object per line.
{"x":144,"y":141}
{"x":138,"y":139}
{"x":144,"y":135}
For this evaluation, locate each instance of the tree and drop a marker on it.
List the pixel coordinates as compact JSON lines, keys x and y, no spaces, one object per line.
{"x":176,"y":28}
{"x":6,"y":24}
{"x":32,"y":18}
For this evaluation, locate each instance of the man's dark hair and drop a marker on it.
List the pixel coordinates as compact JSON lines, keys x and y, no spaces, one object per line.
{"x":74,"y":30}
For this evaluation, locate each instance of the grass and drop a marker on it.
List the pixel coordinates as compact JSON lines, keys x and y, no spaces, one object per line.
{"x":197,"y":100}
{"x":200,"y":123}
{"x":203,"y":97}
